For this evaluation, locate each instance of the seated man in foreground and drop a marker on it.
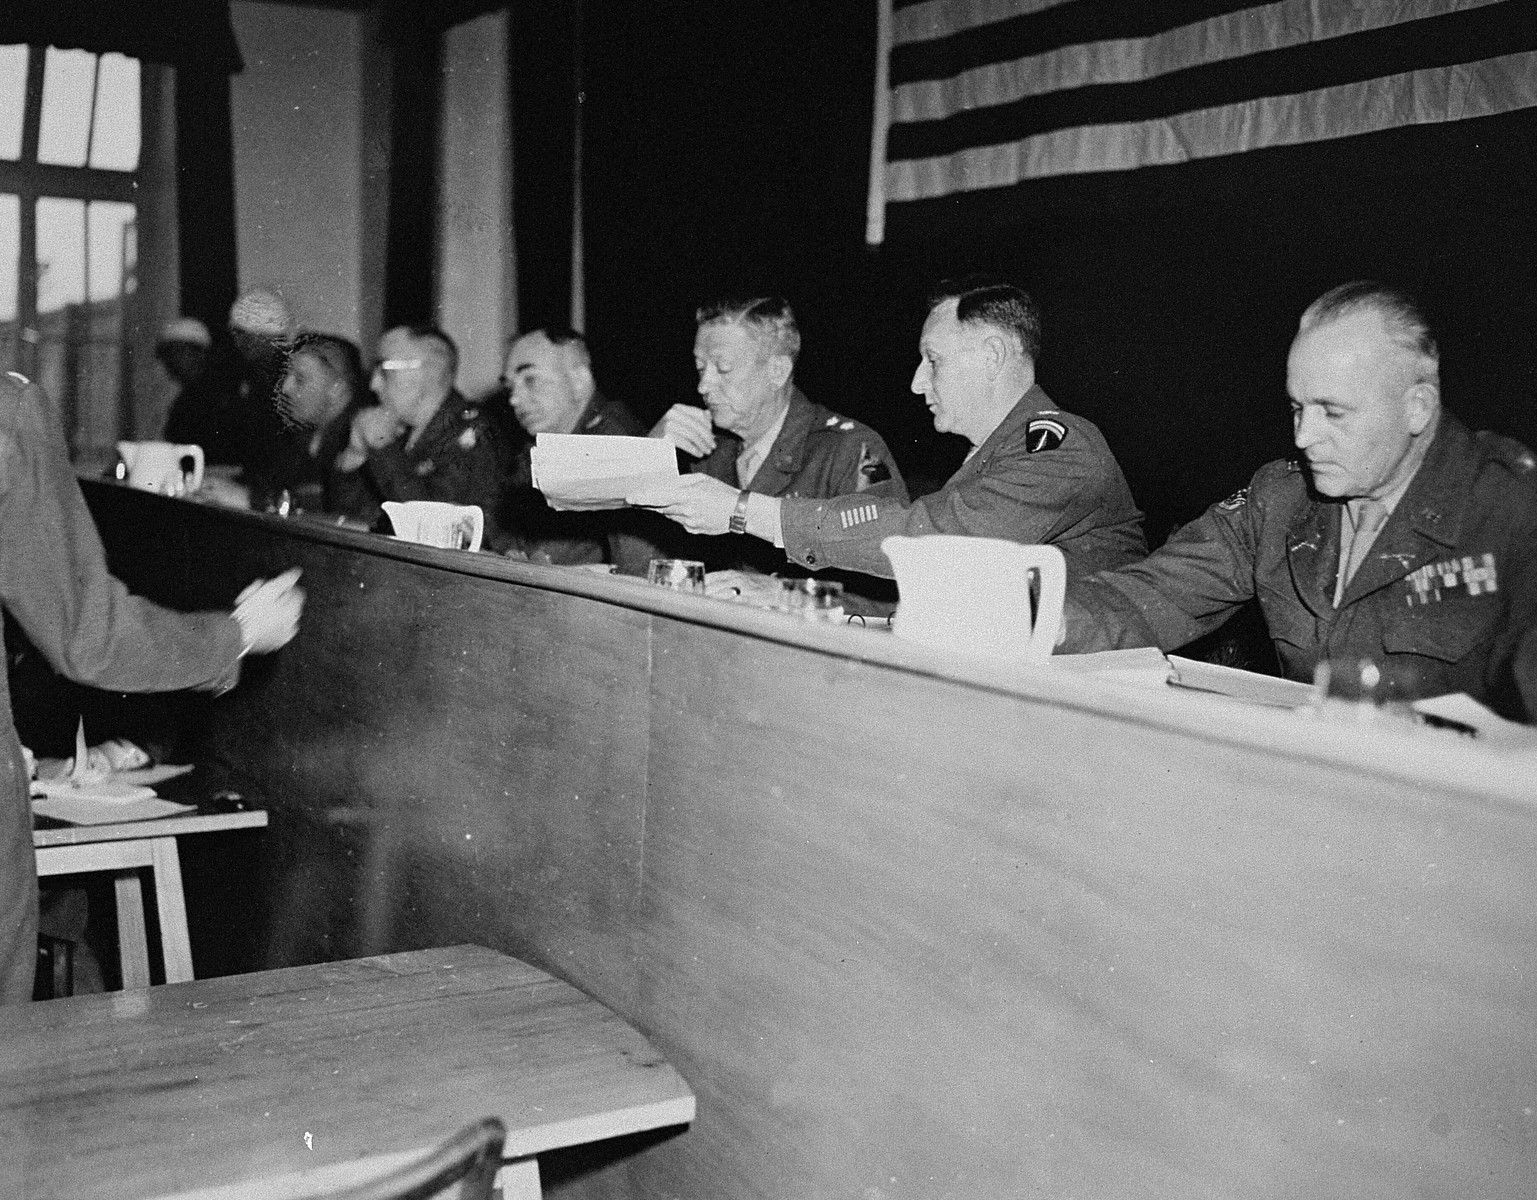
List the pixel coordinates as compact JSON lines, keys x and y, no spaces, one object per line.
{"x":552,"y":390}
{"x":423,"y":441}
{"x":758,"y":434}
{"x":1403,"y":538}
{"x":1035,"y":474}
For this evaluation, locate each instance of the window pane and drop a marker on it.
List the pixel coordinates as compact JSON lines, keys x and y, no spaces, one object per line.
{"x":112,"y":248}
{"x":10,"y":243}
{"x":13,"y":95}
{"x":68,"y":79}
{"x":115,"y":138}
{"x":60,"y":253}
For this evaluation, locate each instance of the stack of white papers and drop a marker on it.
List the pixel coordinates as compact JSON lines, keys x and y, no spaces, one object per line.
{"x":578,"y":472}
{"x":94,"y":799}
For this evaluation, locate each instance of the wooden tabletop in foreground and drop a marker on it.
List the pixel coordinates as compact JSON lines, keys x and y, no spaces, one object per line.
{"x":220,"y":1082}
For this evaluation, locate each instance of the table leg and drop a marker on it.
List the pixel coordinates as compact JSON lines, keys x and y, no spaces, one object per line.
{"x":132,"y":940}
{"x":519,"y":1180}
{"x":171,"y":904}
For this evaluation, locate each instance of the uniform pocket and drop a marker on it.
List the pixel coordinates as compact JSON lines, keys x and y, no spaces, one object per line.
{"x":1448,"y":629}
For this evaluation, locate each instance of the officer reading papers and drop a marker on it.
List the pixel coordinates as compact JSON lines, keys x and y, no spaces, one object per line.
{"x":1035,"y":472}
{"x":1400,"y":536}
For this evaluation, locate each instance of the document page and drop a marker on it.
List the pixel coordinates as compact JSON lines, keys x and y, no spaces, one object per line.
{"x":1240,"y":685}
{"x":577,"y":472}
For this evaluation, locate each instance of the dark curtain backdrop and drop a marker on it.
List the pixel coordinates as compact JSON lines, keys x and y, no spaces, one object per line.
{"x":728,"y":146}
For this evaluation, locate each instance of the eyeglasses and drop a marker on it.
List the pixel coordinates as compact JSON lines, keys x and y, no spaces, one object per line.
{"x":399,"y":364}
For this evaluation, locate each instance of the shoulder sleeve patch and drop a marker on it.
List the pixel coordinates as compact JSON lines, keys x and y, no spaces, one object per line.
{"x":1234,"y":502}
{"x":872,"y":468}
{"x":1043,"y":433}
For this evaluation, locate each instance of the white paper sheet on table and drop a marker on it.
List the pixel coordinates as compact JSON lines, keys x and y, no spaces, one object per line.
{"x":87,"y":809}
{"x":100,"y":800}
{"x":1249,"y":686}
{"x":579,"y":472}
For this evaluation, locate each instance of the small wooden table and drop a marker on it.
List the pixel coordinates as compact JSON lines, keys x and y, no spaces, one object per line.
{"x":282,"y":1082}
{"x":122,"y":849}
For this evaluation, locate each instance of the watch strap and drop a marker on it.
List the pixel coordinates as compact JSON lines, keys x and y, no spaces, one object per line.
{"x":739,"y":513}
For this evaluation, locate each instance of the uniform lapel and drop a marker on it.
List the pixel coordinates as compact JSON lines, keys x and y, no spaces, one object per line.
{"x":1425,"y":523}
{"x":1313,"y":551}
{"x":779,"y":468}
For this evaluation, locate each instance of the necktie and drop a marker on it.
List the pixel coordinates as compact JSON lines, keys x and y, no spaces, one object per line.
{"x":1368,"y":517}
{"x":747,"y":464}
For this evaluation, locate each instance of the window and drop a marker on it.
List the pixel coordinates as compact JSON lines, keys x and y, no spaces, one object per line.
{"x":69,"y":158}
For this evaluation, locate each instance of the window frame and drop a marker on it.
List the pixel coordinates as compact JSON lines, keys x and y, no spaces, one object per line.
{"x":30,"y":181}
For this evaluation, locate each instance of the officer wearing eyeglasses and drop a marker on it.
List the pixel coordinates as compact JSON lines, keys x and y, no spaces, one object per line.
{"x":424,"y":440}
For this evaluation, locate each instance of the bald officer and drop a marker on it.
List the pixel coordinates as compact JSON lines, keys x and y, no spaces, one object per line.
{"x":1399,"y":537}
{"x":1035,"y":473}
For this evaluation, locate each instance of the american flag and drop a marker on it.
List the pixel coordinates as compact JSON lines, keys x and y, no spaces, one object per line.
{"x":978,"y":94}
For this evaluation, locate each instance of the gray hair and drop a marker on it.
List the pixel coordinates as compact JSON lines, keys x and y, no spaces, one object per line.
{"x":768,"y":318}
{"x":1400,"y":312}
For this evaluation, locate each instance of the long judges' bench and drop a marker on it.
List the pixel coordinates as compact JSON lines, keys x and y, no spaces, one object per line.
{"x":908,"y":928}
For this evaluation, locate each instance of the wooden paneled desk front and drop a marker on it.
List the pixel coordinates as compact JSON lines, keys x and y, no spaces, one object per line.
{"x":281,"y":1083}
{"x":122,"y":849}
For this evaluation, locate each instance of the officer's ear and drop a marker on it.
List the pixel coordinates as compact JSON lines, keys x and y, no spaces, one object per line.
{"x":995,"y":354}
{"x":780,"y":367}
{"x":1421,"y":402}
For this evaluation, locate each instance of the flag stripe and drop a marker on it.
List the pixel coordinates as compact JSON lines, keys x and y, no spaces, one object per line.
{"x":1312,"y":67}
{"x":1461,"y":92}
{"x":1128,"y":60}
{"x":921,"y":20}
{"x":1050,"y":29}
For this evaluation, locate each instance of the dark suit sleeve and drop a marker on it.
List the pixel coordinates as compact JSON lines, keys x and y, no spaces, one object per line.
{"x":54,"y":578}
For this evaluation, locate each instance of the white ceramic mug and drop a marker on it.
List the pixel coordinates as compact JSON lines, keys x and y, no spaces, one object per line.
{"x":157,"y":466}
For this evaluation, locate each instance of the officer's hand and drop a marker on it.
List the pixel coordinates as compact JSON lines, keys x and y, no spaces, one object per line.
{"x":268,"y":613}
{"x":688,"y":427}
{"x":697,"y":502}
{"x":375,"y":428}
{"x":744,"y":587}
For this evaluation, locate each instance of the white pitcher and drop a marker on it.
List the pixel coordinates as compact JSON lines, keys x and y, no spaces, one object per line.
{"x":973,"y":595}
{"x":157,"y":466}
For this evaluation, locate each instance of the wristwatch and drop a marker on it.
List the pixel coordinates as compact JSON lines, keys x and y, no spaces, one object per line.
{"x":739,"y":513}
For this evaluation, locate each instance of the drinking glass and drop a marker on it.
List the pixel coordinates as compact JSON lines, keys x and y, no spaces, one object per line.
{"x":679,"y":574}
{"x":1367,"y":688}
{"x":812,"y":599}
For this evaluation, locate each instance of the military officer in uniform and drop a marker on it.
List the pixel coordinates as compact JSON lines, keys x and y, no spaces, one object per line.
{"x":54,"y":582}
{"x":1401,"y":537}
{"x":1035,"y":472}
{"x":758,"y":434}
{"x":423,"y":441}
{"x":551,"y":388}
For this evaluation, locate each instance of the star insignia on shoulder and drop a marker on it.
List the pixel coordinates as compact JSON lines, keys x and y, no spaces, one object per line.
{"x":1043,"y":433}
